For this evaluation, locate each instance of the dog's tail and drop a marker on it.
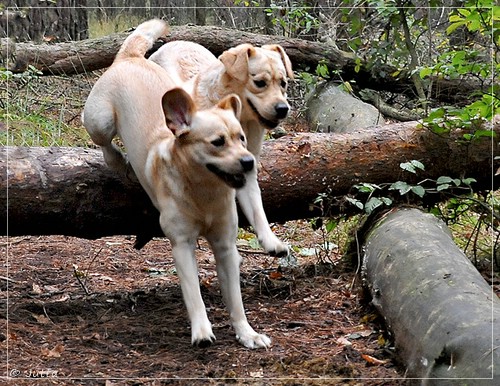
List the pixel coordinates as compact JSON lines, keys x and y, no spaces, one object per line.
{"x":142,"y":39}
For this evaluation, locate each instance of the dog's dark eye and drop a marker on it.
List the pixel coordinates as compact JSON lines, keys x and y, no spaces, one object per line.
{"x":242,"y":138}
{"x":283,"y":84}
{"x":260,"y":83}
{"x":221,"y":141}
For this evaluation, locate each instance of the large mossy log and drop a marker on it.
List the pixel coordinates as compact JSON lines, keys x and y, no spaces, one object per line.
{"x":70,"y":191}
{"x":444,"y":316}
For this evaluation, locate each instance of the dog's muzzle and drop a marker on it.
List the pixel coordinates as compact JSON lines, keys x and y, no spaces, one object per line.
{"x":247,"y":163}
{"x":236,"y":180}
{"x":281,"y":111}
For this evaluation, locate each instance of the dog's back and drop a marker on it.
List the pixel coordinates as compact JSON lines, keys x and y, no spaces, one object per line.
{"x":123,"y":96}
{"x":184,"y":61}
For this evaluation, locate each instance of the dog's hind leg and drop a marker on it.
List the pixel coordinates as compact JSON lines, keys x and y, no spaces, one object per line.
{"x":100,"y":124}
{"x":115,"y":158}
{"x":228,"y":271}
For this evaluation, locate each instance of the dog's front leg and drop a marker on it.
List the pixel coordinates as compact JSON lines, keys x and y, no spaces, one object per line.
{"x":228,"y":271}
{"x":250,"y":201}
{"x":187,"y":269}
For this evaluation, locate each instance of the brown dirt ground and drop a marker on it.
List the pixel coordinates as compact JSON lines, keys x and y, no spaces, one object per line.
{"x":98,"y":312}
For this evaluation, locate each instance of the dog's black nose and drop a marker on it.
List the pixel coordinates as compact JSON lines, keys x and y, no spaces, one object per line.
{"x":281,"y":110}
{"x":247,"y":163}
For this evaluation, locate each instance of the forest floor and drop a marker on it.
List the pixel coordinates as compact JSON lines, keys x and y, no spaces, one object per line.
{"x":100,"y":312}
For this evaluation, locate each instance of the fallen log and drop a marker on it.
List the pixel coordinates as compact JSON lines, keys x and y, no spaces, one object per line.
{"x":70,"y":191}
{"x":93,"y":54}
{"x":75,"y":57}
{"x":444,"y":316}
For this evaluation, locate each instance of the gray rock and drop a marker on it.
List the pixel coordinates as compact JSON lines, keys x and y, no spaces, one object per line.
{"x":332,"y":110}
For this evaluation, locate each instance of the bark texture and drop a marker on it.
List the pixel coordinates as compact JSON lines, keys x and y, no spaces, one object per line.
{"x":94,"y":54}
{"x":70,"y":191}
{"x":444,"y":316}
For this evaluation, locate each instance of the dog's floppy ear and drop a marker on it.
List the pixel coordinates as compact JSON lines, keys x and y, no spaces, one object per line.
{"x":231,"y":102}
{"x":178,"y":108}
{"x":235,"y":60}
{"x":284,"y":57}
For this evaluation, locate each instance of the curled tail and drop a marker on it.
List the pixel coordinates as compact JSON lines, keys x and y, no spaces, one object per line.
{"x":142,"y":39}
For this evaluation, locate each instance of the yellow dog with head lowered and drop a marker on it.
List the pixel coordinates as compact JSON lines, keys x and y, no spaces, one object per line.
{"x":189,"y":169}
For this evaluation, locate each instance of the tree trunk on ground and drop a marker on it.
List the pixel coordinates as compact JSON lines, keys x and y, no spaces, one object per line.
{"x":70,"y":191}
{"x":444,"y":316}
{"x":93,"y":54}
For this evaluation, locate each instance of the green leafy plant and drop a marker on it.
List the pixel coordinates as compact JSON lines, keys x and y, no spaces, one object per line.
{"x":372,"y":202}
{"x":482,"y":18}
{"x":471,"y":118}
{"x":295,"y":20}
{"x":474,"y":220}
{"x":477,"y":16}
{"x":377,"y":194}
{"x":311,"y":80}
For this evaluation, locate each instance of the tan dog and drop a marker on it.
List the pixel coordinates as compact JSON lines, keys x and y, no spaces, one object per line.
{"x":189,"y":169}
{"x":259,"y":77}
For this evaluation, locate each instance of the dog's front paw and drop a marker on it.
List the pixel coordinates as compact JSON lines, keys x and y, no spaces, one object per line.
{"x":275,"y":247}
{"x":204,"y":342}
{"x":281,"y":250}
{"x":202,"y":337}
{"x":254,"y":340}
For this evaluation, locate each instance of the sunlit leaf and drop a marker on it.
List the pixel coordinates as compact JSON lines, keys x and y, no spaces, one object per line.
{"x":425,"y":72}
{"x":468,"y":181}
{"x":355,"y":202}
{"x":418,"y":190}
{"x":452,"y":27}
{"x":401,"y":186}
{"x":408,"y":167}
{"x":372,"y":204}
{"x":444,"y":180}
{"x":418,"y":164}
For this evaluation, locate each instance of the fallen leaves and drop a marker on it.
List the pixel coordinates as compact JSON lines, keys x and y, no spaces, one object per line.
{"x":342,"y":341}
{"x":41,"y":319}
{"x":373,"y":361}
{"x":54,"y":352}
